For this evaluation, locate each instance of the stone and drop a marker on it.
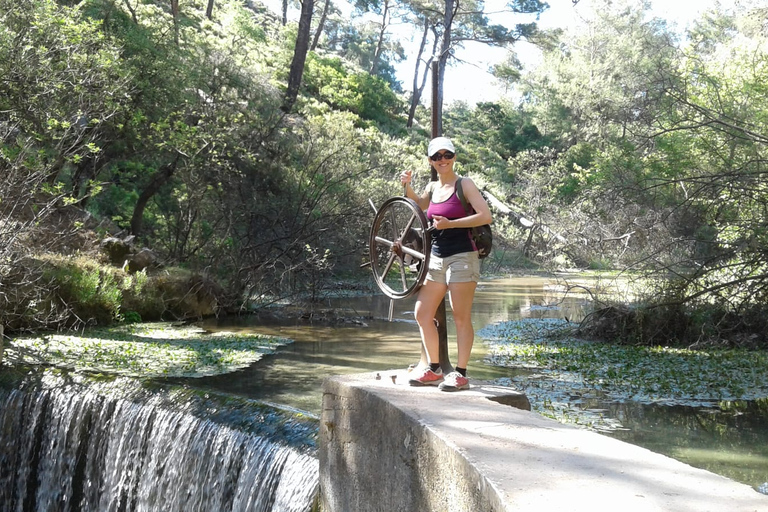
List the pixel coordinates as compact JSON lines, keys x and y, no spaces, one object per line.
{"x":143,"y":259}
{"x":116,"y":249}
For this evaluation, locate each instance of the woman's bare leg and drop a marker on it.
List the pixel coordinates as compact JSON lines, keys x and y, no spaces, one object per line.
{"x":462,"y":295}
{"x":427,"y":302}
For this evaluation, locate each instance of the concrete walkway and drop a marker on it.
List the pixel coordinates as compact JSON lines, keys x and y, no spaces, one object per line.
{"x":386,"y":446}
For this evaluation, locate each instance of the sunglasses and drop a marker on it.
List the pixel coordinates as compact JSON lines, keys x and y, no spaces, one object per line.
{"x":439,"y":156}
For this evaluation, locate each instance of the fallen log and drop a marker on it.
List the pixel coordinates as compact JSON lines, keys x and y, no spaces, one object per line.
{"x":499,"y":206}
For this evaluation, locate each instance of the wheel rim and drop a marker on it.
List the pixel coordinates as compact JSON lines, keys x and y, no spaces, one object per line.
{"x":399,"y":273}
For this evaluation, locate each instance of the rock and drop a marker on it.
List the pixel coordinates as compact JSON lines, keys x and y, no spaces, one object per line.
{"x":145,"y":258}
{"x":116,"y":249}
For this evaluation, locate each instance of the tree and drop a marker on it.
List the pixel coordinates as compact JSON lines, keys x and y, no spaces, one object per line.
{"x":456,"y":23}
{"x":356,"y":43}
{"x":62,"y":84}
{"x":661,"y":162}
{"x":175,"y":13}
{"x":721,"y":120}
{"x":606,"y":81}
{"x":327,"y":8}
{"x":57,"y":103}
{"x":387,"y":11}
{"x":299,"y":55}
{"x":420,"y":74}
{"x":343,"y":87}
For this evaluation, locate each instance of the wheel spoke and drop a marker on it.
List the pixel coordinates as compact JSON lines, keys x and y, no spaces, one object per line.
{"x":394,"y":223}
{"x":388,"y":266}
{"x":407,"y":250}
{"x":408,"y":227}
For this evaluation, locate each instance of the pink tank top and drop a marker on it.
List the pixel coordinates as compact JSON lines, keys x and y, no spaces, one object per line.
{"x":447,"y":242}
{"x":451,"y":208}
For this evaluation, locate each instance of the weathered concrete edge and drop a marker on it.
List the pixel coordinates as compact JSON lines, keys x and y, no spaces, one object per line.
{"x":378,"y":456}
{"x":390,"y":447}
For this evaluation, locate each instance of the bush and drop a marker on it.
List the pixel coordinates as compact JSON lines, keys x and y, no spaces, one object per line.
{"x":55,"y":292}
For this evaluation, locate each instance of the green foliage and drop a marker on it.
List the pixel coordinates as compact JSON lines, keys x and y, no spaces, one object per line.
{"x":490,"y":135}
{"x":94,"y":293}
{"x":131,"y":317}
{"x":656,"y":160}
{"x":598,"y":85}
{"x":370,"y":97}
{"x":68,"y":86}
{"x":356,"y":43}
{"x":115,"y":203}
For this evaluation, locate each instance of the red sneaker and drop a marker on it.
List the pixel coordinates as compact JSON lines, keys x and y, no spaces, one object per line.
{"x":454,"y":381}
{"x":426,"y":377}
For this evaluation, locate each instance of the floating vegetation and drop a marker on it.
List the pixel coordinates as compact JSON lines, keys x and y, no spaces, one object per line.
{"x":146,"y":350}
{"x":566,"y":374}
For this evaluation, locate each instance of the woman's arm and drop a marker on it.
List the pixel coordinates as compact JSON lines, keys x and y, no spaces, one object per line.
{"x":423,"y":199}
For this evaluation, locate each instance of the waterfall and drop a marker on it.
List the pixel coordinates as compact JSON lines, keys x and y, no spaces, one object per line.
{"x":68,"y":449}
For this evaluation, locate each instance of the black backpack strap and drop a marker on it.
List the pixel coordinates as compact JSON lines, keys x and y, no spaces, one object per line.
{"x":460,"y":193}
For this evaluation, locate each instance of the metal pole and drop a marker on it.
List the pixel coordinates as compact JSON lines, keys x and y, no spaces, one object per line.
{"x":437,"y":126}
{"x":437,"y":129}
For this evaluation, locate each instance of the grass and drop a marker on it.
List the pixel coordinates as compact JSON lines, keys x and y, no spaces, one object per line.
{"x":145,"y":350}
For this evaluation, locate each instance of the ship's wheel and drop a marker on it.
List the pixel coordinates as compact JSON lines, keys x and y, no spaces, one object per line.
{"x":399,"y":247}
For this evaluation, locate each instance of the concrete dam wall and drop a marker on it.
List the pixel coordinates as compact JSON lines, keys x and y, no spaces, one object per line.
{"x":386,"y":446}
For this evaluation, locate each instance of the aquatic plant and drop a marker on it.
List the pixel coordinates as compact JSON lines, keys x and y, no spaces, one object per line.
{"x":565,"y":372}
{"x":145,"y":350}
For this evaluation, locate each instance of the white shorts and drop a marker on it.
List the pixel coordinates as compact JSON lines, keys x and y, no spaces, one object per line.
{"x":459,"y":268}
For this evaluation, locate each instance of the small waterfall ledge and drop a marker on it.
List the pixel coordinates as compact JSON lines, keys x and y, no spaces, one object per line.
{"x":65,"y":448}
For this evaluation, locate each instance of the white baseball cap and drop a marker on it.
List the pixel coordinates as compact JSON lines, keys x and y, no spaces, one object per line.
{"x":439,"y":143}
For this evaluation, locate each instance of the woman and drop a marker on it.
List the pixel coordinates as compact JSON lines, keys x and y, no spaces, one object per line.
{"x":453,"y":265}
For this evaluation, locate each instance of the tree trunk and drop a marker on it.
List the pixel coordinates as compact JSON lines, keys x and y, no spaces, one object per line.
{"x":320,"y":25}
{"x":175,"y":12}
{"x":450,"y":12}
{"x":161,"y":177}
{"x":209,"y":10}
{"x":299,"y":55}
{"x":380,"y":44}
{"x":132,"y":11}
{"x":418,"y":89}
{"x":285,"y":12}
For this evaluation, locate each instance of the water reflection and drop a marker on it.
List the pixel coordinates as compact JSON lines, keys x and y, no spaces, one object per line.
{"x":731,"y":443}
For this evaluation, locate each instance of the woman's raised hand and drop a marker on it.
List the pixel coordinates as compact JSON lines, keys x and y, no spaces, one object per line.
{"x":405,"y":177}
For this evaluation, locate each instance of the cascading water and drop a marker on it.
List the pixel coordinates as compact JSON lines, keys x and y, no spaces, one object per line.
{"x":64,"y":448}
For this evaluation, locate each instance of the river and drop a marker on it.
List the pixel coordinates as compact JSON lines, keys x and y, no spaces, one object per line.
{"x":731,"y":441}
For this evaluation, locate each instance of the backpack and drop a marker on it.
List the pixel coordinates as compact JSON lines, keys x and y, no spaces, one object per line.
{"x":481,"y":235}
